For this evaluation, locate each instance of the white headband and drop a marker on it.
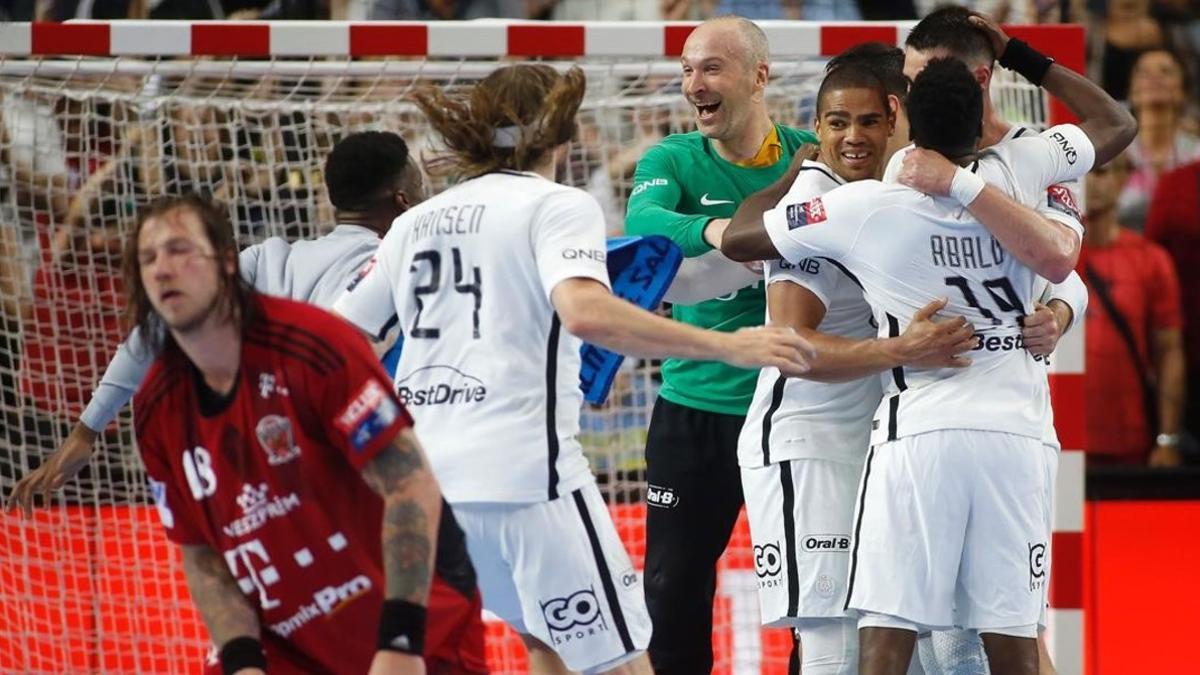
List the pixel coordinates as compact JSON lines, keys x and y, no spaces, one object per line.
{"x":507,"y":137}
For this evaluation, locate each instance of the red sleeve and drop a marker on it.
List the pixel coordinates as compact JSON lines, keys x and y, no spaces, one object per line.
{"x":168,"y":489}
{"x":358,"y":406}
{"x":1165,"y":310}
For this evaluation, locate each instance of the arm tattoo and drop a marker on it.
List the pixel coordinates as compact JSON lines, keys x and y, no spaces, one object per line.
{"x":412,"y":507}
{"x":225,"y":610}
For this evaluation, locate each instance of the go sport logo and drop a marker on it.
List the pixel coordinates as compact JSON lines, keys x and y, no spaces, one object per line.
{"x":440,"y":385}
{"x":574,"y":617}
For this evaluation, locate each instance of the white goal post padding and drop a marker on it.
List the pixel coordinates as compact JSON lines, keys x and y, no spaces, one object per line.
{"x":97,"y":117}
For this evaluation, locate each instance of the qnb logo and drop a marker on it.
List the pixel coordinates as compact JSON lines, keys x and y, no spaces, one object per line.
{"x":574,"y":617}
{"x":767,"y":562}
{"x":825,"y":543}
{"x":646,"y":185}
{"x":584,"y":254}
{"x":1037,"y":566}
{"x":440,"y":385}
{"x":662,"y":497}
{"x":1067,"y":148}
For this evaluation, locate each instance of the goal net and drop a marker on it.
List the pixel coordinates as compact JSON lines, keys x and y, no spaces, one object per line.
{"x":95,"y":119}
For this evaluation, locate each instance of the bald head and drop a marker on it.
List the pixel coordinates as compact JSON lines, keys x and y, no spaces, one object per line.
{"x":738,"y":38}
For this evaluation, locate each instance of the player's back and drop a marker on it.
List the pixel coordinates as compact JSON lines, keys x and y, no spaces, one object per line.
{"x":310,"y":270}
{"x":487,"y":371}
{"x":906,"y":249}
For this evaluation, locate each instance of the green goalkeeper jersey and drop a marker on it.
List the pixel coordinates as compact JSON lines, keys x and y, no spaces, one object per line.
{"x":679,"y":185}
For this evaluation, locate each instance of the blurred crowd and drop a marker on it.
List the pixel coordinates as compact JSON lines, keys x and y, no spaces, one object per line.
{"x":74,"y":168}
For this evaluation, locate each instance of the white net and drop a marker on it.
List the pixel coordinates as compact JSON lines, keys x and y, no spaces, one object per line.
{"x":90,"y":583}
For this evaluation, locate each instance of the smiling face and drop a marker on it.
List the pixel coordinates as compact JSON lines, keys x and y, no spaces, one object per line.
{"x":853,"y":126}
{"x":179,"y":269}
{"x":722,"y":80}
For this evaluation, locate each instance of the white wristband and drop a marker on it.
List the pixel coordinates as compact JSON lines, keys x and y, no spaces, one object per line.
{"x":966,"y":186}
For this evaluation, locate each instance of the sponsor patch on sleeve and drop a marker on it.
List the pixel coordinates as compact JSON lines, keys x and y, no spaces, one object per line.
{"x":808,"y":213}
{"x":1060,"y":198}
{"x":369,"y":414}
{"x":362,"y":274}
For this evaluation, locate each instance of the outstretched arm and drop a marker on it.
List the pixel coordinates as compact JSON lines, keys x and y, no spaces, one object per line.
{"x":591,"y":312}
{"x":746,"y":238}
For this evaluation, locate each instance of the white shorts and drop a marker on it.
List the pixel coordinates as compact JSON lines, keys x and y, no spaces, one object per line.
{"x":558,"y":571}
{"x":951,"y":529}
{"x":801,"y":512}
{"x":1051,"y":455}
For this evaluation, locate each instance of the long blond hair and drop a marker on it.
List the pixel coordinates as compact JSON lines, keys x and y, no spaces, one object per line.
{"x":508,"y":120}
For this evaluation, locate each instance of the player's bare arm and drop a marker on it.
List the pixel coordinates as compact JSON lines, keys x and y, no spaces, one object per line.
{"x":1046,"y":246}
{"x":1108,"y":124}
{"x":227,"y":613}
{"x":926,"y":342}
{"x":412,"y":506}
{"x":63,"y":465}
{"x":745,"y":238}
{"x":591,"y":312}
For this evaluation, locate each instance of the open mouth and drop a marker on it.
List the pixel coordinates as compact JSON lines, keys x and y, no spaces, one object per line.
{"x":856,"y":157}
{"x":167,"y":295}
{"x":705,"y":111}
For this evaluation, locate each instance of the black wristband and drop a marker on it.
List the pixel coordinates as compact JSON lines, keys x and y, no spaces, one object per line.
{"x":242,"y":652}
{"x":1029,"y":62}
{"x":402,"y":627}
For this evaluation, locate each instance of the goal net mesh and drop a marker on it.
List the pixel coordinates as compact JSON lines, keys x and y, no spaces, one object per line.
{"x":90,"y":583}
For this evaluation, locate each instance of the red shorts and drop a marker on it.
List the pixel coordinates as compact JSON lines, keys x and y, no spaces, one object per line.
{"x":454,"y":637}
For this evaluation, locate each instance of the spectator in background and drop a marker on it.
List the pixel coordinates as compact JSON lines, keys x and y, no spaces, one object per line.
{"x":1127,"y":30}
{"x":1174,"y":223}
{"x":1135,"y":402}
{"x":1158,"y":95}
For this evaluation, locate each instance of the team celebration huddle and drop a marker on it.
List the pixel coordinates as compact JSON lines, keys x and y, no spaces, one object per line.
{"x":362,"y":442}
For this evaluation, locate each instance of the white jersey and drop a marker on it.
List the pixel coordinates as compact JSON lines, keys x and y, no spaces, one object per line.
{"x":487,"y":372}
{"x":792,"y":418}
{"x":907,"y":248}
{"x":309,"y":270}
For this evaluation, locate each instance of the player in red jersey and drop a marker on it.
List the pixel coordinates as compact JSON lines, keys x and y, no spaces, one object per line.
{"x":284,"y":468}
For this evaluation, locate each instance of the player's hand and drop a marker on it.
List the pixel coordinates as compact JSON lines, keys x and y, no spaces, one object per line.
{"x":927,"y":171}
{"x":992,"y":31}
{"x":776,"y":346}
{"x":1041,"y":330}
{"x":396,"y":663}
{"x":58,"y":468}
{"x":929,"y":343}
{"x":1165,"y":456}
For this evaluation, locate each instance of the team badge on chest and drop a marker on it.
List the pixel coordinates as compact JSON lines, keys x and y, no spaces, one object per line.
{"x":275,"y":434}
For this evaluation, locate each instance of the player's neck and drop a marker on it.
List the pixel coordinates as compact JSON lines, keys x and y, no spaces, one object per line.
{"x":376,"y":225}
{"x":746,"y":144}
{"x":215,"y":348}
{"x":546,"y":167}
{"x":994,"y":126}
{"x":1102,"y":228}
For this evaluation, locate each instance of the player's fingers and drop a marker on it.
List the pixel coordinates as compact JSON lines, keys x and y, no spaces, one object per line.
{"x":958,"y":362}
{"x":930,"y":308}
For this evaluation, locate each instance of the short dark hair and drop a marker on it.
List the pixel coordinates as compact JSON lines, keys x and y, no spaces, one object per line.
{"x":885,"y":60}
{"x":853,"y":75}
{"x":362,"y":165}
{"x":949,"y":27}
{"x":945,"y":108}
{"x":236,"y":294}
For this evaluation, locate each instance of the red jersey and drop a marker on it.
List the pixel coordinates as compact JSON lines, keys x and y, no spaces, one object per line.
{"x":1174,"y":223}
{"x":1141,"y":280}
{"x":269,"y":477}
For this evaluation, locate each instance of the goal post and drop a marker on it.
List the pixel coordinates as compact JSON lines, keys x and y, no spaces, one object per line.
{"x":97,"y":117}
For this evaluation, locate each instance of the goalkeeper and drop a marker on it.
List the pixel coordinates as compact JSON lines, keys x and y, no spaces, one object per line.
{"x":686,"y":188}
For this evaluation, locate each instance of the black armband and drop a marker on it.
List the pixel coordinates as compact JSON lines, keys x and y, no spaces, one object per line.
{"x":1029,"y":62}
{"x":242,"y":652}
{"x":402,"y":627}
